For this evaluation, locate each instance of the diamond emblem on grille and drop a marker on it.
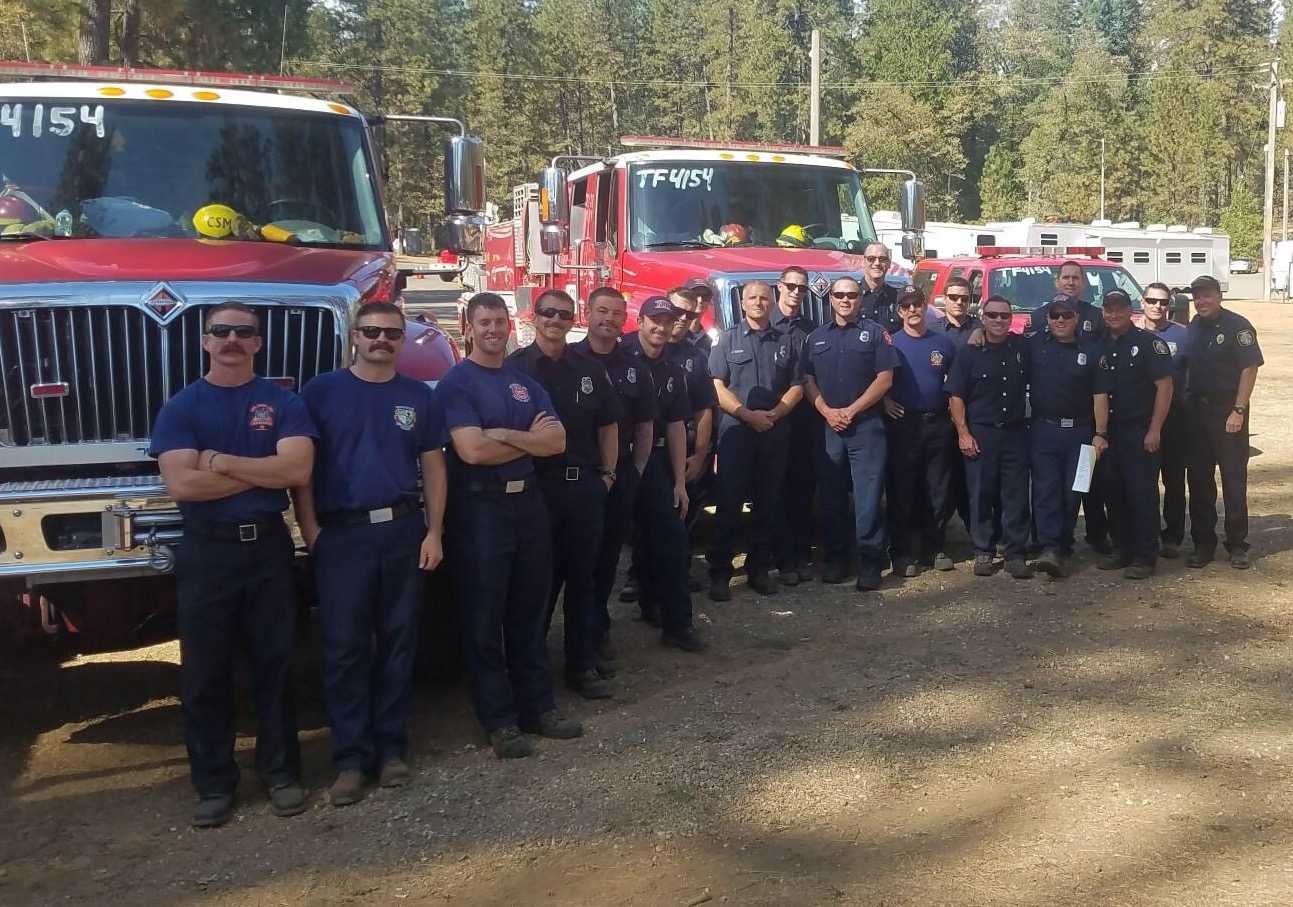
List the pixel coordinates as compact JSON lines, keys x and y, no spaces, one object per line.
{"x":162,"y":302}
{"x":820,"y":284}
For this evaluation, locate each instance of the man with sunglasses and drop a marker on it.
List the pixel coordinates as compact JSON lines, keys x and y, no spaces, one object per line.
{"x":687,"y":353}
{"x":1070,"y":281}
{"x":500,"y":420}
{"x":848,"y":368}
{"x":575,"y":482}
{"x":987,"y":391}
{"x":1176,"y":434}
{"x":229,"y":446}
{"x":794,"y":544}
{"x":922,"y":442}
{"x":959,"y":325}
{"x":703,"y":294}
{"x":879,"y":301}
{"x":1066,"y":414}
{"x":756,"y":376}
{"x":379,"y":460}
{"x":1136,"y":373}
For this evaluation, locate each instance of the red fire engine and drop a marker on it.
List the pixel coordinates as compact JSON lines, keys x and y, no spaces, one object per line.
{"x":130,"y":202}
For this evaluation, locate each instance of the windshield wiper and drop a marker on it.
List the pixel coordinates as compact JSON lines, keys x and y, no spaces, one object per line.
{"x":679,"y":244}
{"x":24,"y":234}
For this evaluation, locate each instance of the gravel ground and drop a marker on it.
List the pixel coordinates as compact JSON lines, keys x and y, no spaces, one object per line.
{"x":949,"y":741}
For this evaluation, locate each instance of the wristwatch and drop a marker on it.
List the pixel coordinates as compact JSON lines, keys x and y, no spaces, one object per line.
{"x":1102,"y":434}
{"x":1241,"y":408}
{"x":607,"y":473}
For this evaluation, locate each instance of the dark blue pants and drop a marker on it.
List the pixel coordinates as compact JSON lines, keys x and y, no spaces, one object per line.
{"x":1094,"y":509}
{"x":662,"y":541}
{"x":617,"y":521}
{"x":1055,"y":451}
{"x":1212,"y":448}
{"x":795,"y":524}
{"x":370,"y":596}
{"x":857,"y":456}
{"x":919,"y":489}
{"x":1131,"y":492}
{"x":575,"y":512}
{"x":232,"y":595}
{"x":997,"y":481}
{"x":502,"y":561}
{"x":751,"y":466}
{"x":1174,"y":455}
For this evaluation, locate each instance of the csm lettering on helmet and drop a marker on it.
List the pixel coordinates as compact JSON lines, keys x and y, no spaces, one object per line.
{"x":215,"y":221}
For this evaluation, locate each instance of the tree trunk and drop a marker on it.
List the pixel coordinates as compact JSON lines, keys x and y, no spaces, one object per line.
{"x":130,"y":33}
{"x":96,"y":23}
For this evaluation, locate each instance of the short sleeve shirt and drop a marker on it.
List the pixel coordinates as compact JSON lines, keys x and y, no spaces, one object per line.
{"x":844,"y":360}
{"x":1128,"y":369}
{"x":959,"y":334}
{"x":244,"y":421}
{"x":992,"y":381}
{"x":672,"y":402}
{"x":581,"y":391}
{"x":1176,"y":336}
{"x":758,"y":367}
{"x":923,"y":364}
{"x":881,"y":306}
{"x":1061,"y":377}
{"x":694,"y":362}
{"x":633,"y":386}
{"x":371,"y":436}
{"x":1217,"y":351}
{"x":473,"y":395}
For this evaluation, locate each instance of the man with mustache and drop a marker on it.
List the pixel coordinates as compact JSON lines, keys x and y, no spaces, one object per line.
{"x":229,"y":446}
{"x":373,"y":534}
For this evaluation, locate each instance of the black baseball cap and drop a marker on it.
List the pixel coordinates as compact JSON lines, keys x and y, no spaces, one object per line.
{"x":1205,"y":282}
{"x":699,"y":284}
{"x":911,"y":293}
{"x":1116,"y":298}
{"x":1063,"y":301}
{"x":660,"y":307}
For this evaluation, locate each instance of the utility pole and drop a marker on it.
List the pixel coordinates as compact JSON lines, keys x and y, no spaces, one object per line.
{"x":1284,"y":233}
{"x":282,"y":51}
{"x":1102,"y":179}
{"x":815,"y":90}
{"x":1268,"y":203}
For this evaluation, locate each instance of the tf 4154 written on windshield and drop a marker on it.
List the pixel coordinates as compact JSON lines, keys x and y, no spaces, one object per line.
{"x":32,"y":120}
{"x":676,"y":178}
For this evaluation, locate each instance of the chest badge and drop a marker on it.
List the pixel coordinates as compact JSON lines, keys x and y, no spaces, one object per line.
{"x":261,"y":417}
{"x":668,"y":385}
{"x":690,"y":363}
{"x":520,"y":393}
{"x":1245,"y":338}
{"x":632,"y":375}
{"x":1086,"y":326}
{"x":1171,"y":346}
{"x":586,"y":385}
{"x":405,"y":417}
{"x":1221,"y":338}
{"x":865,"y":336}
{"x":1135,"y":350}
{"x":936,"y":358}
{"x":1161,"y":348}
{"x":1081,"y":359}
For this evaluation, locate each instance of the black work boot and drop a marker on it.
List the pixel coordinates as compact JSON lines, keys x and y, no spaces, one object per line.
{"x":1115,"y":561}
{"x":554,"y":725}
{"x":213,"y":810}
{"x":348,"y":789}
{"x":720,"y":589}
{"x":834,"y":572}
{"x":509,"y":743}
{"x":1199,"y":558}
{"x":589,"y":684}
{"x":1051,"y":563}
{"x":686,"y":640}
{"x":983,"y":565}
{"x":762,"y":582}
{"x":287,"y":800}
{"x":1018,"y":568}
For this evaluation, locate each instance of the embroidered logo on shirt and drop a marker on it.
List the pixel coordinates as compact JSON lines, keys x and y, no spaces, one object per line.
{"x":1161,"y":348}
{"x":1245,"y":338}
{"x":586,"y":385}
{"x":520,"y":393}
{"x":632,"y":375}
{"x":1081,"y":358}
{"x":865,"y":336}
{"x":936,"y":358}
{"x":262,"y":417}
{"x":406,"y":417}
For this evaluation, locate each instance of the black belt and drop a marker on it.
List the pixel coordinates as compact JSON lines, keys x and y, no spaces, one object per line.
{"x":997,"y":424}
{"x":928,"y":414}
{"x":659,"y":442}
{"x":1213,"y":400}
{"x":512,"y":486}
{"x":360,"y":517}
{"x":569,"y":473}
{"x":1069,"y":423}
{"x":251,"y":531}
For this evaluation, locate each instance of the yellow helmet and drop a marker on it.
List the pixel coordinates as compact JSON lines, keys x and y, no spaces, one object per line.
{"x":793,"y":237}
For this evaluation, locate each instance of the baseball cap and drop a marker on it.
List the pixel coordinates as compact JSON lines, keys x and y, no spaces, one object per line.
{"x":1205,"y":282}
{"x":1063,"y":301}
{"x":659,"y":307}
{"x":1116,"y":298}
{"x":911,"y":293}
{"x":699,"y":283}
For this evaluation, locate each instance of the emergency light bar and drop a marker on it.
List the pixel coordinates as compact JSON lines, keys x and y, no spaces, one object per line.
{"x":654,"y":141}
{"x":1039,"y":251}
{"x":174,"y":77}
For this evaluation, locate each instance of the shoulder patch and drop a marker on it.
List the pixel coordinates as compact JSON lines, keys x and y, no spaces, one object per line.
{"x":865,"y":336}
{"x":1104,"y":362}
{"x":1161,"y":348}
{"x":887,"y":337}
{"x":520,"y":393}
{"x":1245,"y":338}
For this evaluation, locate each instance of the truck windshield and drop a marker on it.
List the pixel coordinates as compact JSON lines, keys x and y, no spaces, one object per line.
{"x":687,"y":204}
{"x":144,"y":168}
{"x":1031,"y":286}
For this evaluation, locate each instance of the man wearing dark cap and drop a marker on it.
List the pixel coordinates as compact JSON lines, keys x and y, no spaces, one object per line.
{"x":703,"y":293}
{"x":1222,"y":358}
{"x":922,"y":441}
{"x":796,"y":526}
{"x":755,"y":371}
{"x":662,"y":494}
{"x":1066,"y":414}
{"x":1136,"y":373}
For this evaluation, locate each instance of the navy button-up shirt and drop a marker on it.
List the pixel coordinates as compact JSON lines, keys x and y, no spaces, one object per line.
{"x":633,"y":386}
{"x":959,"y":334}
{"x":844,"y":360}
{"x":991,"y":379}
{"x":1217,"y":351}
{"x":1130,"y":366}
{"x":757,"y":367}
{"x":1061,"y":377}
{"x":881,"y":306}
{"x":672,"y":402}
{"x":581,"y":391}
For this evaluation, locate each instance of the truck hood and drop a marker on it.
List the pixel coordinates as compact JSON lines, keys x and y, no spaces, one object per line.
{"x":688,"y":263}
{"x":72,"y":260}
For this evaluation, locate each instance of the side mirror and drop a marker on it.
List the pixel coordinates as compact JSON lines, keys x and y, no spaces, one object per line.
{"x":911,"y":206}
{"x":465,"y":234}
{"x":552,"y":239}
{"x":913,"y":246}
{"x":464,"y":175}
{"x":553,"y":210}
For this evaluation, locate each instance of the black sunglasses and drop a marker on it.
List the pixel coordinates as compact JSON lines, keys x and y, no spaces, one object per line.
{"x":794,"y":287}
{"x":876,"y":259}
{"x":957,"y":297}
{"x":845,"y":295}
{"x":1154,"y":300}
{"x":996,"y":315}
{"x":241,"y":331}
{"x":562,"y":314}
{"x":1061,"y":316}
{"x":910,"y":305}
{"x":372,"y":332}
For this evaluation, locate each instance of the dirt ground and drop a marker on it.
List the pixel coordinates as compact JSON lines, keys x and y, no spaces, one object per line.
{"x":948,"y":741}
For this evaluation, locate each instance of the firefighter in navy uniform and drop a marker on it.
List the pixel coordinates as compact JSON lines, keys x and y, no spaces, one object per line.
{"x":848,"y":368}
{"x":756,"y":376}
{"x":692,"y":357}
{"x":1222,"y":356}
{"x":662,"y":496}
{"x":796,"y":527}
{"x":987,"y":397}
{"x":362,"y":517}
{"x":879,"y":300}
{"x":1066,"y":414}
{"x":574,"y":483}
{"x":703,"y":294}
{"x":499,"y":421}
{"x":1136,"y":373}
{"x":229,"y":445}
{"x":1176,"y":430}
{"x":607,"y":311}
{"x":959,"y":326}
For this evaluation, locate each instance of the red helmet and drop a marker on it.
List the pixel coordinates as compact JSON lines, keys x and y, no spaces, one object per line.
{"x":13,"y":210}
{"x":734,"y":233}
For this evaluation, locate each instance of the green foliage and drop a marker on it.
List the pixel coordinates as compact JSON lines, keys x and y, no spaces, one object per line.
{"x":1242,"y":220}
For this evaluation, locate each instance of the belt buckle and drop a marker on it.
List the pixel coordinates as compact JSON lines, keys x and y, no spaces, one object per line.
{"x":381,"y":515}
{"x":572,"y":473}
{"x":248,"y":532}
{"x":1067,"y":423}
{"x":514,"y":486}
{"x":659,"y":442}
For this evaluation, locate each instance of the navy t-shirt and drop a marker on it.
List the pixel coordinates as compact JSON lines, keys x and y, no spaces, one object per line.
{"x":1177,"y":338}
{"x":923,"y":364}
{"x":244,"y":421}
{"x":371,"y":435}
{"x":506,"y":397}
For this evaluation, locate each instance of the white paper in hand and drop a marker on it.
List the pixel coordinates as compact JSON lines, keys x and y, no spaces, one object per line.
{"x":1085,"y":468}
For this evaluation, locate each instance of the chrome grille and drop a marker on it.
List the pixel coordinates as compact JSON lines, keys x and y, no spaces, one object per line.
{"x":816,"y":307}
{"x":120,"y":365}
